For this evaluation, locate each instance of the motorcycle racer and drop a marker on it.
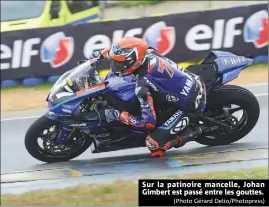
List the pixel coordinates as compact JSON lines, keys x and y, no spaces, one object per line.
{"x":158,"y":80}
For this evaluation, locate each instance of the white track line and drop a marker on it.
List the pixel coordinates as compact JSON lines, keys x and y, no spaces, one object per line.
{"x":261,"y":94}
{"x":31,"y":117}
{"x":18,"y":118}
{"x":255,"y":85}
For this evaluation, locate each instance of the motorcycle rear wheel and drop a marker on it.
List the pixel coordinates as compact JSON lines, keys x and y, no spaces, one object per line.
{"x":36,"y":131}
{"x":232,"y":95}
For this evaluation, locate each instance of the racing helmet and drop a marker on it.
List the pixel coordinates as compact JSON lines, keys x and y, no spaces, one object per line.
{"x":127,"y":55}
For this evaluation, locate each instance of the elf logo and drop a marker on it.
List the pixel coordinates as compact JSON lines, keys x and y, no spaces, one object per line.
{"x":203,"y":37}
{"x":256,"y":29}
{"x":57,"y":50}
{"x":159,"y":35}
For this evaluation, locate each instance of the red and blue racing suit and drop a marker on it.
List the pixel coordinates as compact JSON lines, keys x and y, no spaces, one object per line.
{"x":160,"y":81}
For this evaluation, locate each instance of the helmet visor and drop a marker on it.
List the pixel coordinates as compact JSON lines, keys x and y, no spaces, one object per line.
{"x":122,"y":66}
{"x":119,"y":67}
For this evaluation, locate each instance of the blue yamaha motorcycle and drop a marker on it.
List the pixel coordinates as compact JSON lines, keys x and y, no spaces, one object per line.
{"x":75,"y":120}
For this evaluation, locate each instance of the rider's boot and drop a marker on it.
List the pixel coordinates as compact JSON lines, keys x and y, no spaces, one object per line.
{"x":154,"y":147}
{"x":189,"y":134}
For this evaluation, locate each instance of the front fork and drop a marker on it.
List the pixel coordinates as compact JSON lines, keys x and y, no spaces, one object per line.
{"x":65,"y":131}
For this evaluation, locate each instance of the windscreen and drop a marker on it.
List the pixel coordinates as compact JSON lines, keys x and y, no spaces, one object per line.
{"x":80,"y":78}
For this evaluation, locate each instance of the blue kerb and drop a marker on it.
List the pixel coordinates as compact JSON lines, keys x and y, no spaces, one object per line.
{"x":173,"y":164}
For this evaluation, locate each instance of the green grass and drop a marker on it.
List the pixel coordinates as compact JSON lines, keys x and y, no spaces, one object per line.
{"x":120,"y":193}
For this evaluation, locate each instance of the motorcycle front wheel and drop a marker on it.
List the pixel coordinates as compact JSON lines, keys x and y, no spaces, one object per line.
{"x":40,"y":142}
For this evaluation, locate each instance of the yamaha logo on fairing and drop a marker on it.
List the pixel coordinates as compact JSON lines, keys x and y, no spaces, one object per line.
{"x":171,"y":119}
{"x":67,"y":111}
{"x":180,"y":126}
{"x":67,"y":106}
{"x":171,"y":98}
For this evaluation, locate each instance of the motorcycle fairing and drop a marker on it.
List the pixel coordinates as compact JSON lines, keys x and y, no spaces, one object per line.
{"x":71,"y":106}
{"x":119,"y":93}
{"x":227,"y":66}
{"x":122,"y":89}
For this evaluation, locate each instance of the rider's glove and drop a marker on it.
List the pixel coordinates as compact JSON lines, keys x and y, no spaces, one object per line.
{"x":99,"y":55}
{"x":96,"y":54}
{"x":112,"y":115}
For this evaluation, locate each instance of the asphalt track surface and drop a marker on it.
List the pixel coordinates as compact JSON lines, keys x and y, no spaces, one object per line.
{"x":14,"y":156}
